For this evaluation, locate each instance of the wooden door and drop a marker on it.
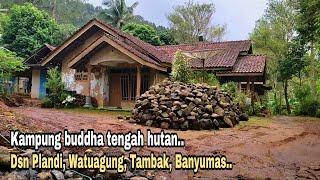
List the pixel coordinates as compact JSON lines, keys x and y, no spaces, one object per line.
{"x":115,"y":90}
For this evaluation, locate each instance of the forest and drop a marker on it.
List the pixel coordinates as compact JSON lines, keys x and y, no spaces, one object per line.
{"x":288,"y":33}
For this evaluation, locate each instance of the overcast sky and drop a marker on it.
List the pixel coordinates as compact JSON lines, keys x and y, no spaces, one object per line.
{"x":239,"y":15}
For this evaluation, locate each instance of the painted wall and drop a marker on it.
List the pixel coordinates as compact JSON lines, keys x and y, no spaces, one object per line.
{"x":105,"y":58}
{"x":35,"y":88}
{"x":43,"y":78}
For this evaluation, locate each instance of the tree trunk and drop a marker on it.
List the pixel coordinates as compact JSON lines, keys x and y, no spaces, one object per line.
{"x":285,"y":88}
{"x":313,"y":70}
{"x":54,"y":9}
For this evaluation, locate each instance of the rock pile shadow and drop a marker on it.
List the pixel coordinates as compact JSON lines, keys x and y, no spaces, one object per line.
{"x":175,"y":105}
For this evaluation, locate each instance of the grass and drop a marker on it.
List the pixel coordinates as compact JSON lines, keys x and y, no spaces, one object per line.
{"x":98,"y":111}
{"x":256,"y":121}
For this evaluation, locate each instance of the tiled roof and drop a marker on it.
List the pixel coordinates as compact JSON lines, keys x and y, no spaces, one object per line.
{"x":248,"y":64}
{"x":226,"y":52}
{"x":216,"y":55}
{"x":40,"y":54}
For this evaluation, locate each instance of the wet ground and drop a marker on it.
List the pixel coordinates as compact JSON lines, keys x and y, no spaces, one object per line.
{"x":278,"y":147}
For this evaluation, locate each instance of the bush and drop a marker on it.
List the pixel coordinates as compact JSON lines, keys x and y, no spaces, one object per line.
{"x":305,"y":103}
{"x":180,"y":68}
{"x":56,"y":89}
{"x":204,"y":77}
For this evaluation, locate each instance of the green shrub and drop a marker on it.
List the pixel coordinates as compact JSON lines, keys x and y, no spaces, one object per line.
{"x":204,"y":77}
{"x":305,"y":103}
{"x":46,"y":103}
{"x":180,"y":68}
{"x":231,"y":88}
{"x":56,"y":88}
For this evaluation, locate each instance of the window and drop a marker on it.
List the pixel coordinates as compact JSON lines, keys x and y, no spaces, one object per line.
{"x":81,"y":75}
{"x":129,"y":86}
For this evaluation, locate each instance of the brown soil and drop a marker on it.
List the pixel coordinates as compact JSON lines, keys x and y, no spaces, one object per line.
{"x":279,"y":147}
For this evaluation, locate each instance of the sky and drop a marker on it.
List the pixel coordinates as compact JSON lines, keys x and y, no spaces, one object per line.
{"x":238,"y":15}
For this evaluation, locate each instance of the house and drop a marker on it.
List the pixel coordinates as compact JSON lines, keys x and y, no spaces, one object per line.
{"x":103,"y":62}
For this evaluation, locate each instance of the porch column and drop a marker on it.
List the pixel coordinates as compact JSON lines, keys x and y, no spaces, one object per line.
{"x":88,"y":97}
{"x":248,"y":85}
{"x":138,"y":92}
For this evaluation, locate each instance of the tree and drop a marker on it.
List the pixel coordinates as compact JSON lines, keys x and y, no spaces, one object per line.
{"x":166,"y":36}
{"x":27,"y":29}
{"x":64,"y":31}
{"x":309,"y":30}
{"x":56,"y":88}
{"x":143,"y":32}
{"x":193,"y":20}
{"x":117,"y":12}
{"x":181,"y":70}
{"x":292,"y":65}
{"x":272,"y":36}
{"x":76,"y":12}
{"x":9,"y":64}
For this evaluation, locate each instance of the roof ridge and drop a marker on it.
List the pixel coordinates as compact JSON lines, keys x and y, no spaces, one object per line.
{"x":197,"y":43}
{"x":255,"y":55}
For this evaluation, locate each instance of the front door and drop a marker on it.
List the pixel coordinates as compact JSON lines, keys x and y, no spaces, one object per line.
{"x":115,"y":90}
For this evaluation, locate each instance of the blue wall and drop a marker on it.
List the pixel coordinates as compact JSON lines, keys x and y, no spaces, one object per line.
{"x":43,"y":78}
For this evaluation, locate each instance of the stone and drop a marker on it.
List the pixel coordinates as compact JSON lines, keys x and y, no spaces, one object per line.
{"x":206,"y":116}
{"x":165,"y":125}
{"x":218,"y":110}
{"x":215,"y":116}
{"x":205,"y":124}
{"x":197,"y":101}
{"x":159,"y":177}
{"x":209,"y":108}
{"x":165,"y":114}
{"x":149,"y":123}
{"x":194,"y":114}
{"x":190,"y":99}
{"x":182,"y":106}
{"x":175,"y":108}
{"x":192,"y":118}
{"x":57,"y":174}
{"x":5,"y":160}
{"x":120,"y":117}
{"x":163,"y":107}
{"x":13,"y":176}
{"x":228,"y":121}
{"x":224,"y":105}
{"x":215,"y":124}
{"x":132,"y":121}
{"x":243,"y":117}
{"x":177,"y":103}
{"x":138,"y":178}
{"x":68,"y":174}
{"x":204,"y":97}
{"x":44,"y":176}
{"x":180,"y":113}
{"x":185,"y":126}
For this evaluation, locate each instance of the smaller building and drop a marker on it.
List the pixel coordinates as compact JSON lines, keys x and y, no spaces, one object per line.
{"x":103,"y":62}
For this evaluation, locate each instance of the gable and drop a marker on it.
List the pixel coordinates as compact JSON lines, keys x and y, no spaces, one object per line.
{"x":95,"y":26}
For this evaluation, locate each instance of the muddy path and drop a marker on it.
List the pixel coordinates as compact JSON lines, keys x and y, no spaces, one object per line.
{"x":278,"y":147}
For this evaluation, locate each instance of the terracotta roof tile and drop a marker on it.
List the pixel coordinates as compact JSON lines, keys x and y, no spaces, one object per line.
{"x":227,"y":52}
{"x":248,"y":64}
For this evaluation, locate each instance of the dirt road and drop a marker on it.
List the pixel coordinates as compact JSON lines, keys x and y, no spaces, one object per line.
{"x":278,"y":147}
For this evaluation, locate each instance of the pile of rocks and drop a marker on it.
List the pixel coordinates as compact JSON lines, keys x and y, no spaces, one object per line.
{"x":175,"y":105}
